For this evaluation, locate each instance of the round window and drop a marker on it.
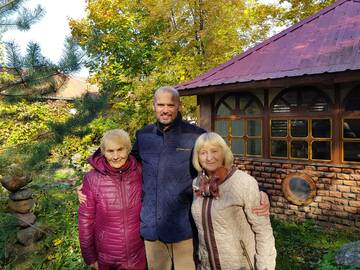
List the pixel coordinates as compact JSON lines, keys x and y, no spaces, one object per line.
{"x":299,"y":189}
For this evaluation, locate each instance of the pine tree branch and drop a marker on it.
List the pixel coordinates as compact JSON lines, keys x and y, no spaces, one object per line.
{"x":8,"y":24}
{"x":24,"y":82}
{"x":8,"y":6}
{"x":23,"y":18}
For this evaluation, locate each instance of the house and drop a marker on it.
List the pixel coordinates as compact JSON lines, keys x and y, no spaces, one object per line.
{"x":51,"y":87}
{"x":73,"y":87}
{"x":290,"y":110}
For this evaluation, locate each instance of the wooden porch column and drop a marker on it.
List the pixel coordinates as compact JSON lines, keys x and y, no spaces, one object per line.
{"x":266,"y":125}
{"x":205,"y":103}
{"x":336,"y":126}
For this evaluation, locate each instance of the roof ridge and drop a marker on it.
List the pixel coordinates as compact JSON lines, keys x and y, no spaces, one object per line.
{"x":267,"y":41}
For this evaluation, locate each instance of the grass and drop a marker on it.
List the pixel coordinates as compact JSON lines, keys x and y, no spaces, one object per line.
{"x":300,"y":245}
{"x":305,"y":245}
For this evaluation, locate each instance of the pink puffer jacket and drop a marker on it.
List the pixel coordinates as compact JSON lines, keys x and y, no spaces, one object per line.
{"x":109,"y":220}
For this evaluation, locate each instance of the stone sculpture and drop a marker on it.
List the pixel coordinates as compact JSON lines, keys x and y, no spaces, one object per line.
{"x":21,"y":203}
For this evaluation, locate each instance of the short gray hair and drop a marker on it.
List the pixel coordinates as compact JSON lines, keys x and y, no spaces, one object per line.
{"x":167,"y":89}
{"x":212,"y":138}
{"x":116,"y":134}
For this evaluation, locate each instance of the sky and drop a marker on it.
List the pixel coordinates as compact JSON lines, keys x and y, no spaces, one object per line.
{"x":51,"y":30}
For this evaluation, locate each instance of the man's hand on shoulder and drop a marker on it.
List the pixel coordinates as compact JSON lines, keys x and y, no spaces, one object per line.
{"x":264,"y":208}
{"x":94,"y":265}
{"x":80,"y":194}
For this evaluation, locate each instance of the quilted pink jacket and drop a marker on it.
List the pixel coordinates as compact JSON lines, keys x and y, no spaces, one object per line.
{"x":109,"y":220}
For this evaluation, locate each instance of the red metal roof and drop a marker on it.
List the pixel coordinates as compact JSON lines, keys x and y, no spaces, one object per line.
{"x":327,"y":42}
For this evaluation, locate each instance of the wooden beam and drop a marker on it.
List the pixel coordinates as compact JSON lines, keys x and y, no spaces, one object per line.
{"x":327,"y":78}
{"x":205,"y":111}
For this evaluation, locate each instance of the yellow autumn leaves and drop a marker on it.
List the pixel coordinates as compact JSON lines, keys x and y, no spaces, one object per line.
{"x":56,"y":242}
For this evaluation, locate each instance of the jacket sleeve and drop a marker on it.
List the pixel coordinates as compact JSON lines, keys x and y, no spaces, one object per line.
{"x":265,"y":257}
{"x":86,"y":215}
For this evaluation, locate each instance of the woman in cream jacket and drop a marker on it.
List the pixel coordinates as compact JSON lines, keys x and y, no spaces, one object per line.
{"x":231,"y":236}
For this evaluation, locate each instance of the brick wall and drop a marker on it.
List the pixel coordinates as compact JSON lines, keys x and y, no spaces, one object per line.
{"x":337,"y":199}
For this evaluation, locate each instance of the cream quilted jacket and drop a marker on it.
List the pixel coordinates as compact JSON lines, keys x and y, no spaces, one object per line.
{"x":230,"y":236}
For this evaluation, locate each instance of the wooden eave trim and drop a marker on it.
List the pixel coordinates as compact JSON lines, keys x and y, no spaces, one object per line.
{"x":328,"y":78}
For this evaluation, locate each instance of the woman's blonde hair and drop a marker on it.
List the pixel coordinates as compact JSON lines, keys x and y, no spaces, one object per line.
{"x":118,"y":135}
{"x":212,"y":138}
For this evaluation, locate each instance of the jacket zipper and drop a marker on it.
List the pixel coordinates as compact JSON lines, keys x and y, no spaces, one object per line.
{"x":124,"y":202}
{"x":246,"y":254}
{"x":211,"y":246}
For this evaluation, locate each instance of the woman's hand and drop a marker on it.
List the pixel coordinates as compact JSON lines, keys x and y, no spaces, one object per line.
{"x":94,"y":265}
{"x":264,"y":208}
{"x":81,"y":196}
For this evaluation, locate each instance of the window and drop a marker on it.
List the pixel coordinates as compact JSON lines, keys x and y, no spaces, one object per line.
{"x":239,"y":121}
{"x":351,"y":127}
{"x":301,"y":99}
{"x":295,"y":136}
{"x":300,"y":189}
{"x":301,"y":139}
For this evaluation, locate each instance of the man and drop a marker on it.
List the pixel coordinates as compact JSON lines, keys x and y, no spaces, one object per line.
{"x":165,"y":149}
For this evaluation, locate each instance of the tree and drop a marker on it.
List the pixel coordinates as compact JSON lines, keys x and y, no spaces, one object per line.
{"x":13,"y":14}
{"x":31,"y":75}
{"x":137,"y":46}
{"x":298,"y":10}
{"x":25,"y":81}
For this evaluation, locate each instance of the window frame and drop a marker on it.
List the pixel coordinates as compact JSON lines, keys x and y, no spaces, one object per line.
{"x":348,"y":114}
{"x":301,"y":114}
{"x":291,"y":197}
{"x":309,"y":138}
{"x":344,"y":140}
{"x":241,"y":115}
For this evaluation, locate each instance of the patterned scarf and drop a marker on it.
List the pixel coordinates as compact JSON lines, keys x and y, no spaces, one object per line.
{"x":209,"y":186}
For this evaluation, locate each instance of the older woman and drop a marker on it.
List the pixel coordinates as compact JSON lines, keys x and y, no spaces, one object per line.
{"x":231,"y":236}
{"x":109,"y":224}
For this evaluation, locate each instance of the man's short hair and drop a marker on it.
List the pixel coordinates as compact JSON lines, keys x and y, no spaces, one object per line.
{"x":167,"y":89}
{"x":212,"y":138}
{"x":116,"y":134}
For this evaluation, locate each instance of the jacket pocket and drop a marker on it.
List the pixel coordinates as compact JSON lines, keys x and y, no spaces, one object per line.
{"x":183,"y":149}
{"x":182,"y":155}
